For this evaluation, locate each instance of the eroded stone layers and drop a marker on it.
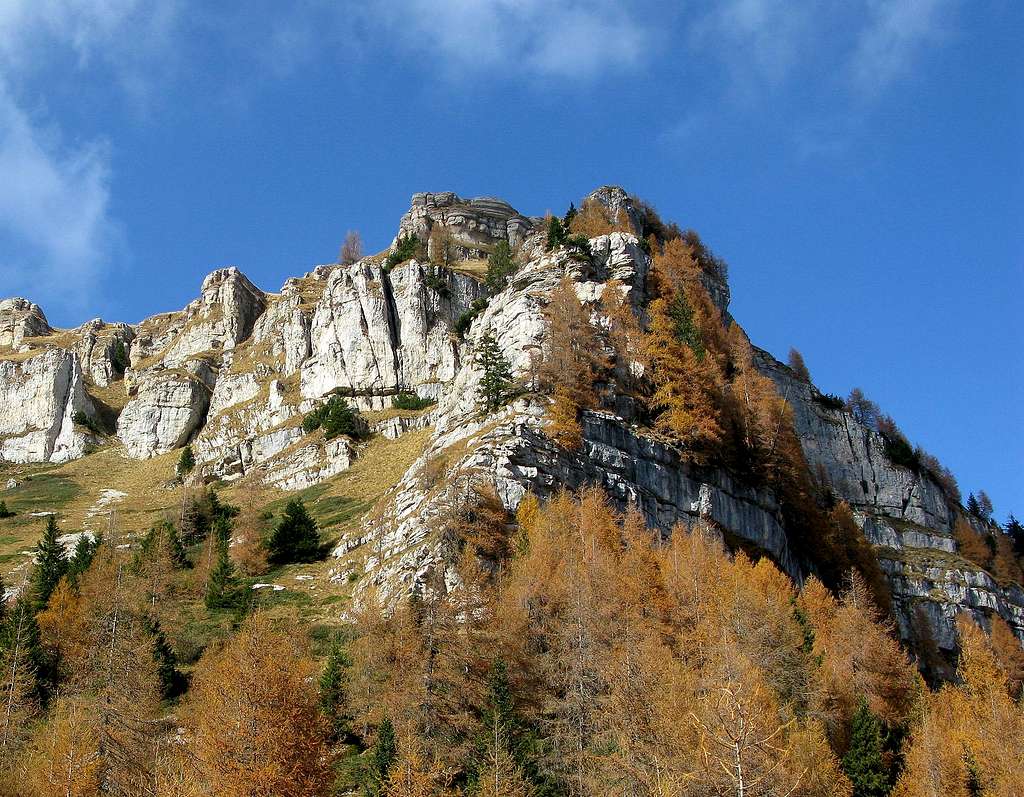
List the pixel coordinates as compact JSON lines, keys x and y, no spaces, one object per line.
{"x":476,"y":225}
{"x":234,"y":372}
{"x":40,"y":397}
{"x":20,"y":319}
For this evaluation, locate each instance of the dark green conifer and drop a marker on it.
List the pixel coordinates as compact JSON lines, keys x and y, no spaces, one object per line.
{"x":495,"y":388}
{"x":334,"y":683}
{"x":501,"y":723}
{"x":500,"y":266}
{"x":51,"y":564}
{"x":296,"y":537}
{"x":172,"y":682}
{"x":556,"y":234}
{"x":186,"y":462}
{"x":4,"y":511}
{"x":382,"y":757}
{"x":973,"y":506}
{"x":85,"y":551}
{"x":222,"y":590}
{"x":864,"y":763}
{"x":19,"y":638}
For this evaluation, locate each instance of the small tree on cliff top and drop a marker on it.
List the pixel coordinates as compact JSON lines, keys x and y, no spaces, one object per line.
{"x":495,"y":388}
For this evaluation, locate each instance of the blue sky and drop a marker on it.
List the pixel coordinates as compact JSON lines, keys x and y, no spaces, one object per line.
{"x":860,"y":164}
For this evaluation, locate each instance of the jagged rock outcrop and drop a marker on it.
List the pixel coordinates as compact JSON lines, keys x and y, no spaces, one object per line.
{"x":168,"y":408}
{"x":308,"y":462}
{"x":512,"y":453}
{"x":904,"y":513}
{"x":475,"y":224}
{"x":40,"y":396}
{"x":222,"y":317}
{"x":235,"y":371}
{"x":20,"y":319}
{"x":103,"y":350}
{"x":852,"y":457}
{"x":374,"y":333}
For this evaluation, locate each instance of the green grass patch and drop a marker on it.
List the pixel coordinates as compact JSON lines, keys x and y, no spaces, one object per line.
{"x":41,"y":492}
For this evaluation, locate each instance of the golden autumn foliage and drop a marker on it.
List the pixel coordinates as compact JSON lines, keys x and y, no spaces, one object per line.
{"x":685,"y":351}
{"x":1009,"y":655}
{"x":414,"y":775}
{"x":860,"y":658}
{"x":640,"y":662}
{"x":971,"y":544}
{"x":594,"y":219}
{"x":62,"y":626}
{"x":971,"y":738}
{"x":65,"y":757}
{"x":251,"y":723}
{"x":572,"y":360}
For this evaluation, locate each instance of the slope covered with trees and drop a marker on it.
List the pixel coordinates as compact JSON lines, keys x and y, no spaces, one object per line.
{"x":630,"y":553}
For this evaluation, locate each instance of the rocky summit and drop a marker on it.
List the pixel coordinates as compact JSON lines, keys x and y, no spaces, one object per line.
{"x":235,"y":374}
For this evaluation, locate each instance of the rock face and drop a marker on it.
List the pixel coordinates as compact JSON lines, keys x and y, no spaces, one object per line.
{"x":222,"y":317}
{"x":904,"y":514}
{"x":103,"y":350}
{"x":39,"y":396}
{"x":20,"y":319}
{"x":476,"y":224}
{"x":167,"y":410}
{"x":374,"y":333}
{"x":235,"y":371}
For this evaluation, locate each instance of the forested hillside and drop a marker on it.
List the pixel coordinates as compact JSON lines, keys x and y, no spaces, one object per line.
{"x":514,"y":507}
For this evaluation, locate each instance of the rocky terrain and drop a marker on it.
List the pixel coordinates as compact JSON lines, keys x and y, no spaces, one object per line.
{"x":234,"y":373}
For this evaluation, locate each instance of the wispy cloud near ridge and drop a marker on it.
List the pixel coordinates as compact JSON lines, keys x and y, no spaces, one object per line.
{"x":57,"y":235}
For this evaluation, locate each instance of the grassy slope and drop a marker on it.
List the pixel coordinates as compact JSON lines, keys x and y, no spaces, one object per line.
{"x":73,"y":489}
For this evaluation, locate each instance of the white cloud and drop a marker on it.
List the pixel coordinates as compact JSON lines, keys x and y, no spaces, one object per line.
{"x":552,"y":38}
{"x":55,"y":225}
{"x":54,"y":215}
{"x":777,"y":42}
{"x":759,"y":41}
{"x":896,"y":32}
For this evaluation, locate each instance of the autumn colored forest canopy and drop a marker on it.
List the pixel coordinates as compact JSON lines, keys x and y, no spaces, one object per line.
{"x":594,"y":659}
{"x":576,"y":652}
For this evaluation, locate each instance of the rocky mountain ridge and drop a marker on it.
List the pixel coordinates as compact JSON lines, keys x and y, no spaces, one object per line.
{"x":234,"y":373}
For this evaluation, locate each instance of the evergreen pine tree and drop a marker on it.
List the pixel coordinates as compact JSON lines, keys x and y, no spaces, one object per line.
{"x":172,"y":682}
{"x":195,"y":525}
{"x":26,"y":666}
{"x":500,"y":266}
{"x":504,"y":733}
{"x":684,"y":326}
{"x":863,"y":762}
{"x":334,"y":683}
{"x":1016,"y":533}
{"x":495,"y":388}
{"x":556,"y":233}
{"x":51,"y":564}
{"x":119,"y":357}
{"x":174,"y":547}
{"x":382,"y":757}
{"x":296,"y":537}
{"x":186,"y":462}
{"x":85,"y":550}
{"x":4,"y":511}
{"x":984,"y":505}
{"x":972,"y":505}
{"x":222,"y":588}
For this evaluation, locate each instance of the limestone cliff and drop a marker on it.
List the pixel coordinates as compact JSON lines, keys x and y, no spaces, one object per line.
{"x":235,"y":371}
